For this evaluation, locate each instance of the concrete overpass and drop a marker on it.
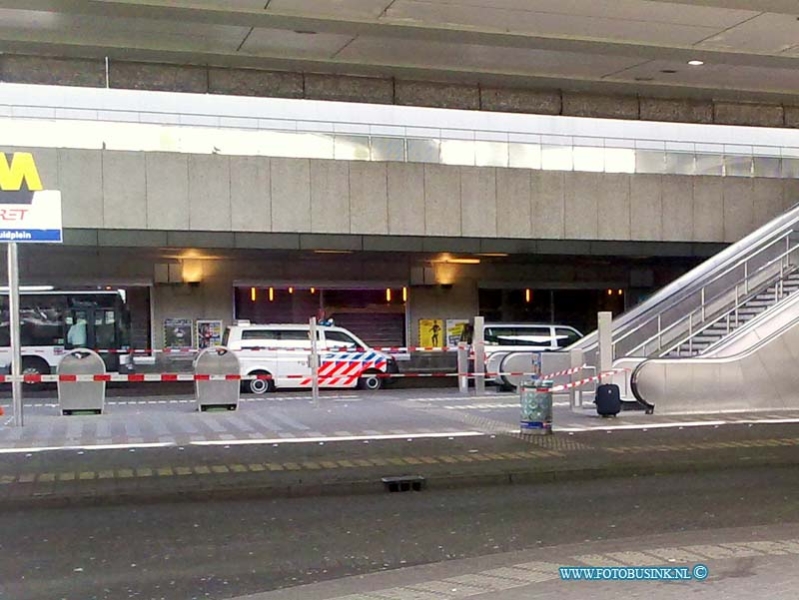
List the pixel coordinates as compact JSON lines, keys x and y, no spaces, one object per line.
{"x":627,"y":59}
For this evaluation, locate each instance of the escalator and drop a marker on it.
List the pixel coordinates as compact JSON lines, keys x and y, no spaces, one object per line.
{"x":754,"y":369}
{"x":746,"y":278}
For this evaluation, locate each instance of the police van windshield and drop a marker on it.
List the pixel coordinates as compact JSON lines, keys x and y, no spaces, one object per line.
{"x":339,"y":338}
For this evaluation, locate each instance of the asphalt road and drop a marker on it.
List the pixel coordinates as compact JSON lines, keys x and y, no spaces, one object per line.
{"x":223,"y":549}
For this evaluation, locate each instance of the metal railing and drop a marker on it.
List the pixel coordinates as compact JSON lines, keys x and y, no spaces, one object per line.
{"x":717,"y":286}
{"x":741,"y":292}
{"x":731,"y":316}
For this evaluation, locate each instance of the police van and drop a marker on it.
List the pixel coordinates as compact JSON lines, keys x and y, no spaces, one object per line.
{"x":282,"y":352}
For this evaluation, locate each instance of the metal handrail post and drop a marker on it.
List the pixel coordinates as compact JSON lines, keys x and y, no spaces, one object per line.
{"x":702,"y":303}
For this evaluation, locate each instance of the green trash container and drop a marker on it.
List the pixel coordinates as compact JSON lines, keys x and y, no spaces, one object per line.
{"x":536,"y":404}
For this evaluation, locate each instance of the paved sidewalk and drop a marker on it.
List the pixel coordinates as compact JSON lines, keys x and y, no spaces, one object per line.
{"x":735,"y":563}
{"x":290,"y":468}
{"x":162,"y":447}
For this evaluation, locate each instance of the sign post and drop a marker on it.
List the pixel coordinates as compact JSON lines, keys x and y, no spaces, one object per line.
{"x":28,"y":214}
{"x":16,"y":354}
{"x":314,"y":362}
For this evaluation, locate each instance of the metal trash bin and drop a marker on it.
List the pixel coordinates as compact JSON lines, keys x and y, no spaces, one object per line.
{"x":79,"y":396}
{"x":536,"y":405}
{"x":217,"y":393}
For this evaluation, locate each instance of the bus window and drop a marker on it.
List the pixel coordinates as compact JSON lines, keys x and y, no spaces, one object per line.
{"x":104,"y":328}
{"x":77,"y":334}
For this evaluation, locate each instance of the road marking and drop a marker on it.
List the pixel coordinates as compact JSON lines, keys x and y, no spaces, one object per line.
{"x":349,"y":438}
{"x":606,"y":427}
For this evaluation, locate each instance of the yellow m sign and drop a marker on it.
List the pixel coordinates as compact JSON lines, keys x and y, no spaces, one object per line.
{"x":22,"y":169}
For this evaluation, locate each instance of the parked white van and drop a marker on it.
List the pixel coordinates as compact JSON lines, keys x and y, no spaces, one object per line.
{"x":283,"y":352}
{"x":503,"y":338}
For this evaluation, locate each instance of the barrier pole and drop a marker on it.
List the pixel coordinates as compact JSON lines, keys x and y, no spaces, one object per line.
{"x":314,"y":364}
{"x":13,"y":309}
{"x":463,"y":368}
{"x":605,"y":336}
{"x":478,"y":340}
{"x":575,"y":360}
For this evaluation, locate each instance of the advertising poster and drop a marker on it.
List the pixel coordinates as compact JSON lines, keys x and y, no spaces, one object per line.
{"x":209,"y":333}
{"x":177,"y":333}
{"x":431,"y":333}
{"x":455,"y":330}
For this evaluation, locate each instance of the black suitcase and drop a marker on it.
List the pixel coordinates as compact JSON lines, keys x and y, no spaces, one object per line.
{"x":608,"y":400}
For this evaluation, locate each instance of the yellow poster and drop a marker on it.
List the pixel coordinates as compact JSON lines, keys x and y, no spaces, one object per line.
{"x":431,"y":333}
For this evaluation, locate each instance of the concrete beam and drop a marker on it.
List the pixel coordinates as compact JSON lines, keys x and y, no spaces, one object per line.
{"x":15,"y":68}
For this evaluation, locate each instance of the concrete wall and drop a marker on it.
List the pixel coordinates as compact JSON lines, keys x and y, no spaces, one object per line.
{"x":179,"y":192}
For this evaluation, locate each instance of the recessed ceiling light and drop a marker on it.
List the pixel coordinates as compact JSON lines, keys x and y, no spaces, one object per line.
{"x":668,"y":71}
{"x":304,"y":32}
{"x":696,"y":63}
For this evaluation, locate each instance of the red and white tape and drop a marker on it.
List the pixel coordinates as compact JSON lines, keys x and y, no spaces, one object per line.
{"x":167,"y":377}
{"x":563,"y":373}
{"x":387,"y":350}
{"x":587,"y":380}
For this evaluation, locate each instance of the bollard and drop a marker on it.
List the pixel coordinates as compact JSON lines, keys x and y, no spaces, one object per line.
{"x":81,"y":396}
{"x":478,"y":341}
{"x":222,"y":393}
{"x":463,"y":368}
{"x":536,"y":405}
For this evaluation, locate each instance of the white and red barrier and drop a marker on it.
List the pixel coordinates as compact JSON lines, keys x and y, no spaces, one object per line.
{"x":587,"y":380}
{"x":387,"y":350}
{"x":563,"y":373}
{"x":167,"y":377}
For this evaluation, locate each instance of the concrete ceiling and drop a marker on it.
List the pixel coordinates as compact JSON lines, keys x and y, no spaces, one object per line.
{"x":750,"y":49}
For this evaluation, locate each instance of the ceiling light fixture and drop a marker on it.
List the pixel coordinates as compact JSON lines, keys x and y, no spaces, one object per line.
{"x":696,"y":63}
{"x":459,"y":261}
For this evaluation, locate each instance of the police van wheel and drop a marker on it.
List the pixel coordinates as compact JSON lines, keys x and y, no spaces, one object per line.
{"x":370,"y":381}
{"x":260,"y":386}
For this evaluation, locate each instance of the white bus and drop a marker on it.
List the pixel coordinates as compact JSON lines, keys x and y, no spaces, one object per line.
{"x":54,"y":322}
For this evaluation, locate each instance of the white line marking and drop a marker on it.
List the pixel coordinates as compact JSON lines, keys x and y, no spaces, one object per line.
{"x":607,"y":427}
{"x":235,"y":442}
{"x":87,"y":447}
{"x":351,"y":438}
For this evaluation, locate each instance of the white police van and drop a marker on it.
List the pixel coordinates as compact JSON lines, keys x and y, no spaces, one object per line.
{"x":283,"y":352}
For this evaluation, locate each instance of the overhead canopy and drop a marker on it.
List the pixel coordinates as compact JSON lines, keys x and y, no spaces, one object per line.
{"x":749,"y":48}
